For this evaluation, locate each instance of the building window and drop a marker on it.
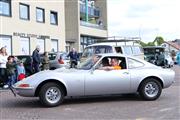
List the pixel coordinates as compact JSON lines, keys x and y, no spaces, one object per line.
{"x":24,"y":46}
{"x":54,"y":18}
{"x":85,"y":41}
{"x":5,"y":7}
{"x":41,"y":43}
{"x":24,"y":11}
{"x":54,"y":45}
{"x":6,"y":41}
{"x":40,"y":15}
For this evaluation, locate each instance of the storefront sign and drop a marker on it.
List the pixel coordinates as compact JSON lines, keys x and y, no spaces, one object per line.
{"x":31,"y":35}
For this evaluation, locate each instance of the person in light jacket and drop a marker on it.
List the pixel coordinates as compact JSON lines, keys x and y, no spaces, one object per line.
{"x":3,"y":61}
{"x":45,"y":61}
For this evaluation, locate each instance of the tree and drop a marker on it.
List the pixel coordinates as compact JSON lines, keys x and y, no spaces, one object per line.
{"x":158,"y":40}
{"x":142,"y":43}
{"x":150,"y":44}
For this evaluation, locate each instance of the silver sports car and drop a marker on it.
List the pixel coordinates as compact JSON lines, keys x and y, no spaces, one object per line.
{"x":97,"y":76}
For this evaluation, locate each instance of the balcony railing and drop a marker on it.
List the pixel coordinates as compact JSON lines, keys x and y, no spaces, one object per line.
{"x":87,"y":24}
{"x":92,"y":11}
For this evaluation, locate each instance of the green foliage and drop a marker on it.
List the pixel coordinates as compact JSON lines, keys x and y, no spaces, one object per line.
{"x":157,"y":42}
{"x":142,"y":43}
{"x":150,"y":44}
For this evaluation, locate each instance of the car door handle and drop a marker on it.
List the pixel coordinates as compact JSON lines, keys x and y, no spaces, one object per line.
{"x":126,"y":73}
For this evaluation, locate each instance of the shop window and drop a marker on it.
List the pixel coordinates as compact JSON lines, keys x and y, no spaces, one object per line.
{"x":24,"y":46}
{"x":41,"y":43}
{"x":5,"y":41}
{"x":54,"y":45}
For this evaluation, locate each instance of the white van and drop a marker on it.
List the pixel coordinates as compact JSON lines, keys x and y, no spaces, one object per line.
{"x":128,"y":48}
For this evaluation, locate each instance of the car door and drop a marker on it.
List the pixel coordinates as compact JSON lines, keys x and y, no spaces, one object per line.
{"x":99,"y":82}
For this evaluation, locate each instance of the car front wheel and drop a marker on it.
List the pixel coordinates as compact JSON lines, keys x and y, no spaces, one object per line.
{"x":150,"y":89}
{"x":51,"y":95}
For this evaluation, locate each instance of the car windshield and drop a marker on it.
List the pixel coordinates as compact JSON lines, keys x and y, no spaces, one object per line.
{"x":89,"y":51}
{"x":89,"y":62}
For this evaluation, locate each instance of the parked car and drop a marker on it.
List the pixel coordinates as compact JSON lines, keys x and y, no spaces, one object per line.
{"x":58,"y":60}
{"x":28,"y":62}
{"x":155,"y":55}
{"x":126,"y":47}
{"x":137,"y":76}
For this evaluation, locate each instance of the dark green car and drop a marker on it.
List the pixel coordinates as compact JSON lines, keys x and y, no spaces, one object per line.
{"x":155,"y":55}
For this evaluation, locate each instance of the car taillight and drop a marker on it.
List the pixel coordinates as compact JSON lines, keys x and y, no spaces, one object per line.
{"x":24,"y":85}
{"x":61,"y":61}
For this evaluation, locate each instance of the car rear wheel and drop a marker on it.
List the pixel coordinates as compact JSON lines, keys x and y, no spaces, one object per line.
{"x":150,"y":89}
{"x":51,"y":95}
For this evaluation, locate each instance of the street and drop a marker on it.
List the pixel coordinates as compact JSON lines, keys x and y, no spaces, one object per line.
{"x":106,"y":107}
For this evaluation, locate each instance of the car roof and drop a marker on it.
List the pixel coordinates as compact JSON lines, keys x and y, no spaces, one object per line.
{"x":57,"y":53}
{"x":113,"y":54}
{"x":22,"y":55}
{"x":154,"y":47}
{"x":112,"y":44}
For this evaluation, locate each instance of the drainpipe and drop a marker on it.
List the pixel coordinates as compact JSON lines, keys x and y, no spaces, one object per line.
{"x":86,"y":5}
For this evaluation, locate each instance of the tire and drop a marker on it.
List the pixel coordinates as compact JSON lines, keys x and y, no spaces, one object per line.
{"x":51,"y":95}
{"x":150,"y":89}
{"x":53,"y":68}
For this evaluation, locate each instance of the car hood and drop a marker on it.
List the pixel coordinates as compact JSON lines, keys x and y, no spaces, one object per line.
{"x":58,"y":74}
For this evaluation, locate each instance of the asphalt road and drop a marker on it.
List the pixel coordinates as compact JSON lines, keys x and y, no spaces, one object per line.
{"x":117,"y":107}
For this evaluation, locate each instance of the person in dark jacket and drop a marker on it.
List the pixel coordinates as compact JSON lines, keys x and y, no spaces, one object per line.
{"x":36,"y":59}
{"x":11,"y":72}
{"x":73,"y":58}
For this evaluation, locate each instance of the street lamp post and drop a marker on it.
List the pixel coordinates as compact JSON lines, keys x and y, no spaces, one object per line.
{"x":86,"y":5}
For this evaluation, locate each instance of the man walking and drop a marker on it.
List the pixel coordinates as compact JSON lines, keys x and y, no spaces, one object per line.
{"x":36,"y":59}
{"x":73,"y":58}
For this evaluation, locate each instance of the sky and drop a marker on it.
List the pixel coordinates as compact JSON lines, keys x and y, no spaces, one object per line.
{"x":144,"y":18}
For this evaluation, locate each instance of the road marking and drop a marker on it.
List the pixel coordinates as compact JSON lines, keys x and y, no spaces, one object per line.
{"x":68,"y":109}
{"x":139,"y":119}
{"x":165,"y":109}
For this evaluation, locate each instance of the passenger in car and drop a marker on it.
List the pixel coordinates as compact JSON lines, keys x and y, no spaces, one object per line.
{"x":113,"y":66}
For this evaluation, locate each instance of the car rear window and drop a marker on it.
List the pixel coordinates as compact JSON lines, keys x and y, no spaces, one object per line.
{"x":25,"y":59}
{"x":64,"y":56}
{"x":52,"y":56}
{"x":134,"y":63}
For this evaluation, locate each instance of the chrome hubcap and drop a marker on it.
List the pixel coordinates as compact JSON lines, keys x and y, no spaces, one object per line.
{"x":151,"y":89}
{"x":53,"y":95}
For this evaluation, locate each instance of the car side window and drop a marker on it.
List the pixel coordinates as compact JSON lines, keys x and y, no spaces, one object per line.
{"x":116,"y":63}
{"x":134,"y":63}
{"x":118,"y":50}
{"x":127,"y":50}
